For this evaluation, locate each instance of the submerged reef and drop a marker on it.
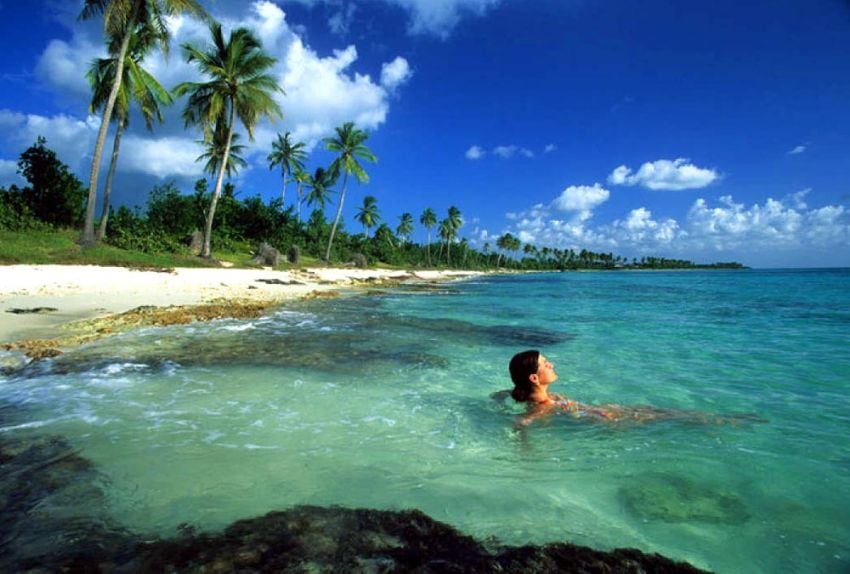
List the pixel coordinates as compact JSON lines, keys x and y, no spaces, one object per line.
{"x":51,"y":510}
{"x":671,"y":498}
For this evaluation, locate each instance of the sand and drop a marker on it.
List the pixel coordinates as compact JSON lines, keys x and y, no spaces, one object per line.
{"x":79,"y":292}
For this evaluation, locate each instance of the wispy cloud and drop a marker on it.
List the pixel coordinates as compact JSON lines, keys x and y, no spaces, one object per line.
{"x":475,"y":152}
{"x":665,"y":175}
{"x":550,"y":148}
{"x":798,"y":150}
{"x":502,"y":151}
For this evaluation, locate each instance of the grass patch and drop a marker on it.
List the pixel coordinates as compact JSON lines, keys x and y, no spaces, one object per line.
{"x":59,"y":247}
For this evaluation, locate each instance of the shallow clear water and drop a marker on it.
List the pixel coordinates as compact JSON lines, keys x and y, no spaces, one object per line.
{"x":382,"y":401}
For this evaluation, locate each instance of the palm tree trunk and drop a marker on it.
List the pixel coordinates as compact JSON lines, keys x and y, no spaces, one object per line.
{"x":88,"y":239}
{"x":206,"y":252}
{"x":283,"y":192}
{"x":336,"y":219}
{"x":299,"y":192}
{"x":107,"y":190}
{"x":448,"y":252}
{"x":429,"y":247}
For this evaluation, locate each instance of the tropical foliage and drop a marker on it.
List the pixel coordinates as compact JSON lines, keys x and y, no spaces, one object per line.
{"x":238,"y":87}
{"x":121,"y":19}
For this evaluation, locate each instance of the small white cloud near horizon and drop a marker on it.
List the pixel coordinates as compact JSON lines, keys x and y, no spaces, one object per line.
{"x":665,"y":175}
{"x":550,"y":148}
{"x":710,"y":231}
{"x":475,"y":152}
{"x":797,"y":150}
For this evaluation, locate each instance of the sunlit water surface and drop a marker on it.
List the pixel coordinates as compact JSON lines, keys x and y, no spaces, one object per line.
{"x":381,"y":401}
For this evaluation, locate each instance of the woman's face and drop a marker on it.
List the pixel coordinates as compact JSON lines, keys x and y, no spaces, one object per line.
{"x":546,"y":374}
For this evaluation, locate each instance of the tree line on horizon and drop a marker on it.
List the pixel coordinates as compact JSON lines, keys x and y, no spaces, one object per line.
{"x":55,"y":199}
{"x":236,"y":88}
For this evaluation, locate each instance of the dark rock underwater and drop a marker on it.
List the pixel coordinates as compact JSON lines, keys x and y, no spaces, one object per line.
{"x":46,"y":473}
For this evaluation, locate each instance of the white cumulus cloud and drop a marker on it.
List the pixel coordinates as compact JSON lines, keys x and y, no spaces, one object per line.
{"x":395,"y":73}
{"x":581,"y":197}
{"x":665,"y":175}
{"x":322,"y":91}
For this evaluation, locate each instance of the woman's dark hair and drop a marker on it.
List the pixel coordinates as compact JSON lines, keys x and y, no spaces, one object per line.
{"x":522,"y":366}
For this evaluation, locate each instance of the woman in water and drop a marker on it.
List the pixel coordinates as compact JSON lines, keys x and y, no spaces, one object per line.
{"x":532,"y":374}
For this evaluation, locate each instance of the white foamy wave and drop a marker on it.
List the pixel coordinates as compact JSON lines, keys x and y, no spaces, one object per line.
{"x":238,"y":328}
{"x":212,"y":436}
{"x":115,"y":368}
{"x":250,"y":446}
{"x":32,"y":424}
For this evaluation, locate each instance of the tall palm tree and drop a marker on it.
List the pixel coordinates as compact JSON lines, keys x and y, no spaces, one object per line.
{"x":301,"y":177}
{"x":348,"y":144}
{"x":214,"y":153}
{"x":367,"y":214}
{"x":405,"y":226}
{"x":428,"y":219}
{"x":454,"y":222}
{"x":120,"y":19}
{"x":138,"y":84}
{"x":320,"y":185}
{"x":445,"y":231}
{"x":289,"y":156}
{"x":238,"y":87}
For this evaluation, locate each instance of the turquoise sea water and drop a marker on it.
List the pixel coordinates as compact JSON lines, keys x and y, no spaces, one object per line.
{"x":382,"y":400}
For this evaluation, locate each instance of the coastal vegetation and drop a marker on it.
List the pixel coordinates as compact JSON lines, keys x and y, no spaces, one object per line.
{"x":237,"y":88}
{"x":38,"y":222}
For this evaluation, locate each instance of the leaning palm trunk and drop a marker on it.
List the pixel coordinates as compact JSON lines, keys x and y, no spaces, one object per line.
{"x":88,"y":239}
{"x":206,"y":251}
{"x":336,"y":219}
{"x":107,"y":190}
{"x":299,"y":191}
{"x":283,"y":192}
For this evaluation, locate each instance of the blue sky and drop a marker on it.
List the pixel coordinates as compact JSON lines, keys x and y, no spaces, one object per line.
{"x":711,"y":131}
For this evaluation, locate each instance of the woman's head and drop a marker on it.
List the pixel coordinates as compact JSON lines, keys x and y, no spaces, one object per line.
{"x":530,"y":369}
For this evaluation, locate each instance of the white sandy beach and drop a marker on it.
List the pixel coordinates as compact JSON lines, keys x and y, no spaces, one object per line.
{"x":86,"y":291}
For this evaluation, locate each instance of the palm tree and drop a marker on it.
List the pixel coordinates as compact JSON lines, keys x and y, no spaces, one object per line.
{"x":428,"y":219}
{"x":214,"y":153}
{"x":137,"y":84}
{"x":239,"y":87}
{"x":289,"y":156}
{"x":405,"y":226}
{"x":320,"y":187}
{"x":301,"y":177}
{"x":120,"y":20}
{"x":367,"y":214}
{"x":348,"y":143}
{"x":445,"y":232}
{"x":454,"y":221}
